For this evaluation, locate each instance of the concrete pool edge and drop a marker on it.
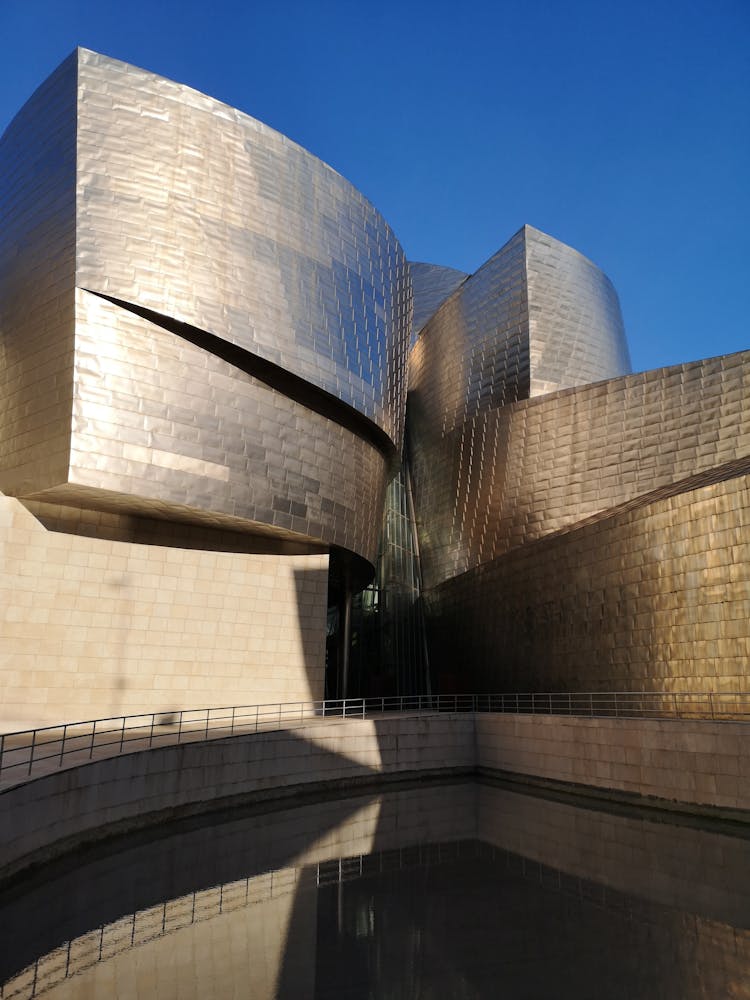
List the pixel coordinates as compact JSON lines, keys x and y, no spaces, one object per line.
{"x":680,"y":767}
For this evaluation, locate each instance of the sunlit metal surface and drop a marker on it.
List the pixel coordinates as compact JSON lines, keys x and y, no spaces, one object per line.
{"x":568,"y":537}
{"x":536,"y":317}
{"x":129,"y":186}
{"x":513,"y":474}
{"x":194,"y":209}
{"x":202,"y":323}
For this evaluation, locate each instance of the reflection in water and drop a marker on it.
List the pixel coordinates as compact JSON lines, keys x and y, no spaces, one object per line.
{"x":458,"y":890}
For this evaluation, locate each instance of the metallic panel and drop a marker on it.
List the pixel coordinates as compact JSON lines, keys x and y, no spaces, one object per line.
{"x":473,"y":353}
{"x":576,"y":333}
{"x":514,"y":474}
{"x":537,"y":317}
{"x":653,"y":598}
{"x":431,"y":286}
{"x":195,"y":210}
{"x":132,"y":187}
{"x":37,"y":263}
{"x":171,"y":427}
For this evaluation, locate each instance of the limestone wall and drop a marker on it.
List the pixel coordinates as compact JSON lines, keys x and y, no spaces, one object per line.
{"x":73,"y":804}
{"x":92,"y":628}
{"x":701,"y":763}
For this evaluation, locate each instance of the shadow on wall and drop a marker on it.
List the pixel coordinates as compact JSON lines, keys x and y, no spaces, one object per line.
{"x":94,"y":626}
{"x":649,"y":598}
{"x":311,"y":586}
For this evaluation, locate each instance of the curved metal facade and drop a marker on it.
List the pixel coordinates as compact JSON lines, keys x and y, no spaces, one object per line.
{"x":195,"y":210}
{"x":568,"y":537}
{"x":203,"y":323}
{"x":431,"y":286}
{"x":233,"y":345}
{"x":537,"y":317}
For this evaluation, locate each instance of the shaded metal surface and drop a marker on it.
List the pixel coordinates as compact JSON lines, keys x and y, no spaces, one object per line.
{"x":389,"y":651}
{"x":576,"y":333}
{"x":655,"y":597}
{"x":37,"y":268}
{"x":536,"y":317}
{"x":431,"y":286}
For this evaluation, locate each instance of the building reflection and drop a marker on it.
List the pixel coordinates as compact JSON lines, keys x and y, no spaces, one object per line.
{"x":459,"y":890}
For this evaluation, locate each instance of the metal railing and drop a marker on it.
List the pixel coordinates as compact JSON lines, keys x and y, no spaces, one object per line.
{"x":33,"y":752}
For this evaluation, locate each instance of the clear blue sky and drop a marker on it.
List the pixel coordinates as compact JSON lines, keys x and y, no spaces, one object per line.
{"x":622,"y":129}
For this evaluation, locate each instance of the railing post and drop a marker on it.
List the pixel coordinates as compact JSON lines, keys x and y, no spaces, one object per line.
{"x":231,"y":731}
{"x":474,"y":703}
{"x":122,"y":734}
{"x":31,"y":752}
{"x":208,"y":716}
{"x":179,"y":728}
{"x":570,"y":704}
{"x":533,"y":703}
{"x":257,"y":709}
{"x":591,"y":704}
{"x":62,"y":745}
{"x":382,"y":704}
{"x":151,"y":734}
{"x":2,"y":750}
{"x":617,"y":713}
{"x":711,"y":703}
{"x":93,"y":738}
{"x":363,"y":708}
{"x":674,"y":702}
{"x":550,"y":703}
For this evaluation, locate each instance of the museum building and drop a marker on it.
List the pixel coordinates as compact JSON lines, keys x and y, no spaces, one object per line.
{"x":250,"y":453}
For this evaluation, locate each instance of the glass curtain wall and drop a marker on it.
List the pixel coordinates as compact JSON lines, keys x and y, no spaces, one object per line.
{"x":389,"y":652}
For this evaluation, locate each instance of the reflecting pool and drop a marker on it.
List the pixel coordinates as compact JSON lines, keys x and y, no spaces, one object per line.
{"x":464,"y":890}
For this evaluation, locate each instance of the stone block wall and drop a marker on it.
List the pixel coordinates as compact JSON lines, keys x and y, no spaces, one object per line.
{"x":700,"y":763}
{"x":92,"y":628}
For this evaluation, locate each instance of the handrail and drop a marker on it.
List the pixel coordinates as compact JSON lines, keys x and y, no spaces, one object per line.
{"x":26,"y":753}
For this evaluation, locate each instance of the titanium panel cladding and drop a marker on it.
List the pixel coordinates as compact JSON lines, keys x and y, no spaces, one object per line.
{"x":163,"y":233}
{"x":473,"y":354}
{"x":576,"y":333}
{"x":195,"y":210}
{"x":173,"y":428}
{"x":512,"y":475}
{"x":37,"y":267}
{"x":431,"y":286}
{"x":656,"y":598}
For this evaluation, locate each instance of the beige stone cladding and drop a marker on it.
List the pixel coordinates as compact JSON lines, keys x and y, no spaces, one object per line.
{"x":656,"y":597}
{"x":697,"y":762}
{"x":92,"y":628}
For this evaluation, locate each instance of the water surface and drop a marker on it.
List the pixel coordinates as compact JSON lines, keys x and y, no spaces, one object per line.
{"x":457,"y":890}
